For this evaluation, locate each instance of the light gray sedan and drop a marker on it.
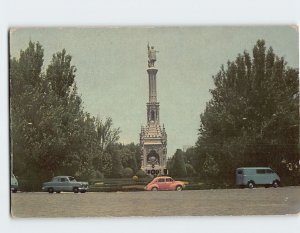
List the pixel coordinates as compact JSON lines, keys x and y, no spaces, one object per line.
{"x":65,"y":184}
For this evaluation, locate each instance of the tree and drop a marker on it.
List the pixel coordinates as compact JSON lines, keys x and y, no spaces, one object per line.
{"x":50,"y":132}
{"x":61,"y":73}
{"x":177,"y":166}
{"x":106,"y":135}
{"x":190,"y":171}
{"x":26,"y":89}
{"x":252,"y":118}
{"x":210,"y":167}
{"x":117,"y":167}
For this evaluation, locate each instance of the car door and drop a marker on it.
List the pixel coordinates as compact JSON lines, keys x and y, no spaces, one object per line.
{"x":161,"y":183}
{"x":169,"y":184}
{"x":239,"y":176}
{"x":55,"y":184}
{"x":260,"y":177}
{"x":270,"y":176}
{"x":65,"y":184}
{"x":62,"y":182}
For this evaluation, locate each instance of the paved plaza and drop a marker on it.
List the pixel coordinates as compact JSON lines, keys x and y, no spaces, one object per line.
{"x":258,"y":201}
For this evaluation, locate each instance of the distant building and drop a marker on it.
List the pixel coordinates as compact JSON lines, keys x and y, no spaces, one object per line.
{"x":153,"y":137}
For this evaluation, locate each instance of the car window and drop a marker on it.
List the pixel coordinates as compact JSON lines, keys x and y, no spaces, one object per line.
{"x":161,"y":180}
{"x":63,"y":179}
{"x":260,"y":171}
{"x":240,"y":172}
{"x":169,"y":180}
{"x":269,"y":171}
{"x":71,"y":178}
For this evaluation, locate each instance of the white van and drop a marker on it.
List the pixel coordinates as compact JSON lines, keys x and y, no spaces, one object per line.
{"x":254,"y":176}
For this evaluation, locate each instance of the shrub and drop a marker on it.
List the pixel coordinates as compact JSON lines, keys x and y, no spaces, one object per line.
{"x":141,"y":174}
{"x":127,"y":172}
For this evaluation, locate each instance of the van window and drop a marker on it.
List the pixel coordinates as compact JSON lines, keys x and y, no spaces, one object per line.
{"x":240,"y":172}
{"x":269,"y":171}
{"x":260,"y":171}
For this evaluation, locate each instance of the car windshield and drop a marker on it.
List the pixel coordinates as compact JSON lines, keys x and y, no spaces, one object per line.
{"x":71,"y":178}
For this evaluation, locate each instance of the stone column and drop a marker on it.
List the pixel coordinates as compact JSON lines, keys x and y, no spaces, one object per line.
{"x":152,"y":84}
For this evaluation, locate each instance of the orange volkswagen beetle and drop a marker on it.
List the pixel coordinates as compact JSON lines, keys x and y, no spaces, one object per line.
{"x":164,"y":183}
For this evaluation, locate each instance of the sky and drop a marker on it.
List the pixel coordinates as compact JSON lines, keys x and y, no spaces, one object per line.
{"x":111,"y":67}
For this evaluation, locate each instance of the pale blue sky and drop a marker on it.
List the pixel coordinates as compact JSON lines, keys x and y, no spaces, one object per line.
{"x":111,"y":69}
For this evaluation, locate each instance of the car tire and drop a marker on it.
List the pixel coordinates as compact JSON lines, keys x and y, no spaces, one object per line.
{"x":154,"y":189}
{"x":275,"y":184}
{"x":14,"y":190}
{"x":178,"y":188}
{"x":50,"y":190}
{"x":250,"y":184}
{"x":57,"y":191}
{"x":75,"y":190}
{"x":83,"y":191}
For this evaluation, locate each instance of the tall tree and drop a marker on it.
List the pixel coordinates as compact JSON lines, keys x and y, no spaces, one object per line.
{"x":26,"y":89}
{"x":252,"y":118}
{"x":178,"y":168}
{"x":61,"y":73}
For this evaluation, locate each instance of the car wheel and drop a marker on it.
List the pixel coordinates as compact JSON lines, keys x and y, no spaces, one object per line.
{"x":57,"y":191}
{"x":179,"y":188}
{"x":83,"y":191}
{"x":250,"y":184}
{"x":275,"y":183}
{"x":50,"y":190}
{"x":75,"y":190}
{"x":14,"y":190}
{"x":154,"y":189}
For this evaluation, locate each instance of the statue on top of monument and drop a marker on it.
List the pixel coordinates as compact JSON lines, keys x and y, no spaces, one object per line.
{"x":151,"y":55}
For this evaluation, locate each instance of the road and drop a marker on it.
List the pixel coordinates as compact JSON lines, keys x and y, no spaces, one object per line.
{"x":258,"y":201}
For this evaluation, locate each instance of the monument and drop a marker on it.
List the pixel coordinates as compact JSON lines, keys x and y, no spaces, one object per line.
{"x":153,"y":137}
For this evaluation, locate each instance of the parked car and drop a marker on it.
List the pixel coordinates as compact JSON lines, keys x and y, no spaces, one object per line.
{"x":254,"y":176}
{"x":14,"y":185}
{"x":65,"y":184}
{"x":164,"y":183}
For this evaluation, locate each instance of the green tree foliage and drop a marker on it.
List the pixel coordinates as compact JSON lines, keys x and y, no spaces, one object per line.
{"x":106,"y":135}
{"x":107,"y":164}
{"x":117,"y":167}
{"x":50,"y":132}
{"x":210,"y":167}
{"x":181,"y":164}
{"x":190,"y":171}
{"x":61,"y":73}
{"x":176,"y":165}
{"x":130,"y":155}
{"x":141,"y":174}
{"x":253,"y":116}
{"x":26,"y":88}
{"x":127,"y":172}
